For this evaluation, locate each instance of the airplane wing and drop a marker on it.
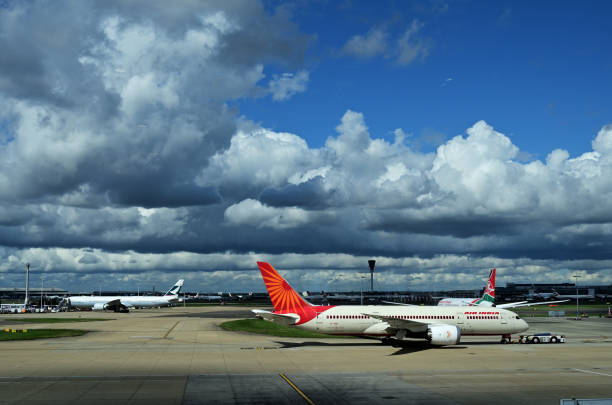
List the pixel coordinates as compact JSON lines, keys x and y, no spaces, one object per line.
{"x":283,"y":319}
{"x":399,"y":303}
{"x":526,"y":304}
{"x":115,"y":305}
{"x":396,"y":323}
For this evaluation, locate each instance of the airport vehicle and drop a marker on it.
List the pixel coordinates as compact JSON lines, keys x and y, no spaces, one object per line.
{"x":125,"y":302}
{"x":544,"y":337}
{"x":12,"y":308}
{"x":438,"y":325}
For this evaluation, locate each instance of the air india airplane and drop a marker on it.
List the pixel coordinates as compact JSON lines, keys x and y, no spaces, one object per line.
{"x":438,"y":325}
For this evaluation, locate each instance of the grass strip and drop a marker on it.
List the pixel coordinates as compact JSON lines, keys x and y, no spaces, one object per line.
{"x":270,"y":328}
{"x":32,"y":334}
{"x":56,"y":320}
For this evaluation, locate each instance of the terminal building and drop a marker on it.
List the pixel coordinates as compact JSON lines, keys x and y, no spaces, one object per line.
{"x":17,"y":294}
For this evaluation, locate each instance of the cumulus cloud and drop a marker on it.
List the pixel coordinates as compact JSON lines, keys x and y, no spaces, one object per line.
{"x":122,"y":155}
{"x":124,"y":104}
{"x":252,"y":212}
{"x":372,"y":44}
{"x":288,"y":84}
{"x":409,"y":46}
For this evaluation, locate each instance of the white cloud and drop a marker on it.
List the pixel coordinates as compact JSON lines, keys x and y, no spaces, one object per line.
{"x":411,"y":46}
{"x":287,"y":85}
{"x":372,"y":44}
{"x":408,"y":47}
{"x":253,"y":213}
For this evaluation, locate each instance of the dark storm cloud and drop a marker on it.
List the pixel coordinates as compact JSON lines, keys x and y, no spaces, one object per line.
{"x":310,"y":194}
{"x":110,"y":97}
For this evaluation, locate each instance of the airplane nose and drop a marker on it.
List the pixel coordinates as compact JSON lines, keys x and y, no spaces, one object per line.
{"x":524,"y":325}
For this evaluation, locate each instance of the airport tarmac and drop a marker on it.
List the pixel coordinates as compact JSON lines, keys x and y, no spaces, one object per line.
{"x":181,"y":356}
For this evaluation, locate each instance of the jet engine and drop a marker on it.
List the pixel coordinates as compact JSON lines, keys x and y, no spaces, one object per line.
{"x":99,"y":306}
{"x":441,"y":335}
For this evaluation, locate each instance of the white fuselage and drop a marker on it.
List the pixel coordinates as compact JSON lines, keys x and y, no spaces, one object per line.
{"x":462,"y":302}
{"x":354,"y":320}
{"x":142,"y":301}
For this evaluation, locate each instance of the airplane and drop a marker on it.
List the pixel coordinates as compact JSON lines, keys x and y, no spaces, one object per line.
{"x":488,"y":299}
{"x":438,"y":325}
{"x":123,"y":303}
{"x":573,"y":296}
{"x":533,"y":294}
{"x":211,"y":297}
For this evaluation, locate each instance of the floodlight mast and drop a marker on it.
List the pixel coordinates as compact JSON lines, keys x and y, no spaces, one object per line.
{"x":576,"y":283}
{"x":27,"y":291}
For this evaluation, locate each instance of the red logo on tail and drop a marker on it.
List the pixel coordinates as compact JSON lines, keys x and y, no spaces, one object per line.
{"x":284,"y":298}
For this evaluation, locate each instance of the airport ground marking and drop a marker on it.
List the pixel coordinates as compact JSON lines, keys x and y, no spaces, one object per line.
{"x":170,"y":330}
{"x":299,"y":391}
{"x":593,"y":372}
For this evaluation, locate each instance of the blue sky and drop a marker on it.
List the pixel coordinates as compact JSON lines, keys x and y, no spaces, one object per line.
{"x":141,"y":144}
{"x":538,"y":71}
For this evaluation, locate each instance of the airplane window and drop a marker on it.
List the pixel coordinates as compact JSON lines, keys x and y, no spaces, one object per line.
{"x":517,"y":317}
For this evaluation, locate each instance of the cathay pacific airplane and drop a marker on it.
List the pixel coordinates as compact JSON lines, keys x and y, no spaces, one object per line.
{"x":438,"y":325}
{"x":124,"y":302}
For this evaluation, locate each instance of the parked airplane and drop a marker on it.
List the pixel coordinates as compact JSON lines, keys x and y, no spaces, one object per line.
{"x":123,"y":303}
{"x":488,"y":298}
{"x":573,"y":296}
{"x":438,"y":325}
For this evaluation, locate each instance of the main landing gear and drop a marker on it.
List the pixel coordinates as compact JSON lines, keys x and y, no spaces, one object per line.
{"x":506,"y":339}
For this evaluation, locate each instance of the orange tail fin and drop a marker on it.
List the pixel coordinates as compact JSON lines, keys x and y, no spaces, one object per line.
{"x":284,"y":298}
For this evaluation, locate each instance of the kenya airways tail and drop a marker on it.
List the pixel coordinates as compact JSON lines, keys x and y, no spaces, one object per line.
{"x":487,"y":300}
{"x":289,"y":307}
{"x":489,"y":293}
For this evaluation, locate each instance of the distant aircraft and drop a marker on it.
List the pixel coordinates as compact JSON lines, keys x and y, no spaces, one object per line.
{"x":438,"y":325}
{"x":123,"y":303}
{"x":573,"y":296}
{"x":488,"y":298}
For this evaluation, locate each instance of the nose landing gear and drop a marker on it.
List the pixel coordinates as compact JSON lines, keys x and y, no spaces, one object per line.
{"x":506,"y":339}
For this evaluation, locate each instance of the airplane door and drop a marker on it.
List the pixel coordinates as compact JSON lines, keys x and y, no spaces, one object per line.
{"x":503,"y":318}
{"x":462,"y":322}
{"x":319,"y":321}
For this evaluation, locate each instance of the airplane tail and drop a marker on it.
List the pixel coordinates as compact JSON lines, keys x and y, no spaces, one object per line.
{"x":489,"y":292}
{"x":283,"y":296}
{"x":176,"y":288}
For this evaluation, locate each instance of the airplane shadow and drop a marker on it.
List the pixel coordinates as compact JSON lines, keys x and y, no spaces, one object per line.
{"x":290,"y":345}
{"x":404,"y":347}
{"x":410,"y":347}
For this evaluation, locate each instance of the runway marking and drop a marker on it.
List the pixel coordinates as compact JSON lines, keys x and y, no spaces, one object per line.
{"x":299,"y":391}
{"x":593,"y":372}
{"x":170,"y":330}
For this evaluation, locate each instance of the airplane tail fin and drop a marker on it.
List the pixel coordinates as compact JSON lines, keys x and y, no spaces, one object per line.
{"x":489,"y":292}
{"x":176,"y":288}
{"x":283,"y":296}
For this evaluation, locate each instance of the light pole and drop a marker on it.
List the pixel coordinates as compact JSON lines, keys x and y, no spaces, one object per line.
{"x":361,"y":288}
{"x":42,"y":286}
{"x":576,"y":283}
{"x":27,"y":291}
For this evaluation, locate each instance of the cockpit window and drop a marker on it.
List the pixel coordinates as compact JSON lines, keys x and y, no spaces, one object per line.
{"x":518,"y":317}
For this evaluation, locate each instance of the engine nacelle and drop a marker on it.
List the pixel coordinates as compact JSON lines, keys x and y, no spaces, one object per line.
{"x":442,"y":335}
{"x":99,"y":306}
